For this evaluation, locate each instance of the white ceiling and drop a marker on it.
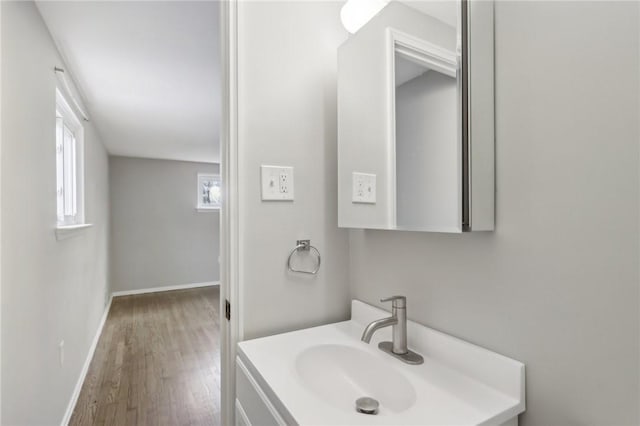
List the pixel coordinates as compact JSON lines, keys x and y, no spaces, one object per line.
{"x":148,"y":72}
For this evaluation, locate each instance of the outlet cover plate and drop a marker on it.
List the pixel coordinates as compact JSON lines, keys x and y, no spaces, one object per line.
{"x":277,"y":183}
{"x":363,"y":188}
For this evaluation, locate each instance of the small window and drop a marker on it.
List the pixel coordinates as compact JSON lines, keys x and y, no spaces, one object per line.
{"x":209,"y":193}
{"x":69,"y":165}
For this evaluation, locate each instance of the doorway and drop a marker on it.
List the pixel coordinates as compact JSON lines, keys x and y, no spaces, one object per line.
{"x":148,"y":75}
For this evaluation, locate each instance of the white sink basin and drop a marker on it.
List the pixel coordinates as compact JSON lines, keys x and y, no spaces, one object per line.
{"x":314,"y":376}
{"x":340,"y":374}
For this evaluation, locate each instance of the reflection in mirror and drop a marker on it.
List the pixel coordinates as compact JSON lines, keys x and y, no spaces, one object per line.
{"x":403,"y":106}
{"x":427,"y":148}
{"x":416,"y":118}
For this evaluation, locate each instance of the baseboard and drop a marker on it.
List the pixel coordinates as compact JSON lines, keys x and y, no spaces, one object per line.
{"x":85,"y":367}
{"x":165,"y":288}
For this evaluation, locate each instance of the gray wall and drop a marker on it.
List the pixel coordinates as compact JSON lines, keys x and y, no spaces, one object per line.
{"x":158,"y":238}
{"x":428,"y":183}
{"x":556,"y":285}
{"x":51,"y":290}
{"x":287,"y":116}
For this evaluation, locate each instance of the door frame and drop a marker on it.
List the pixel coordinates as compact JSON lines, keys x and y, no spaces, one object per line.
{"x":230,"y":265}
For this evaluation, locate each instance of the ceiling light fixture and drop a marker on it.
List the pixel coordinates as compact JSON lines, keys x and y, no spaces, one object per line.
{"x":356,"y":13}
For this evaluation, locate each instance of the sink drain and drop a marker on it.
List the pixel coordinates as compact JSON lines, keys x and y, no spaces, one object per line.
{"x":367,"y":405}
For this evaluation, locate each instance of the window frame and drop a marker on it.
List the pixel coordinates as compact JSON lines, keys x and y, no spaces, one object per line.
{"x":67,"y":120}
{"x":201,"y":178}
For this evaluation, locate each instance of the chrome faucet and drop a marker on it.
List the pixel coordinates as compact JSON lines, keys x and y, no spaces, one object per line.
{"x":398,"y":322}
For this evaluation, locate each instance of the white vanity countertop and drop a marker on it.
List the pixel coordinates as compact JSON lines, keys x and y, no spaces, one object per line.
{"x":458,"y":384}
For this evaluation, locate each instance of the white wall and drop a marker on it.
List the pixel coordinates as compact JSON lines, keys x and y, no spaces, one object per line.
{"x":287,"y":116}
{"x":158,"y":238}
{"x":0,"y":221}
{"x":427,"y":153}
{"x":557,"y":284}
{"x":51,"y":290}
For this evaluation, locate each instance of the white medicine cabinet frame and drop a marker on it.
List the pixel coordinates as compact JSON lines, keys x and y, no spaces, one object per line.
{"x":432,"y":156}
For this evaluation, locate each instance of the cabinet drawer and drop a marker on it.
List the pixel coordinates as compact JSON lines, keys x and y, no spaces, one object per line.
{"x":252,"y":401}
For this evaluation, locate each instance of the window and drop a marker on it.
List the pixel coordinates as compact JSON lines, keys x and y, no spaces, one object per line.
{"x":69,"y":164}
{"x":209,"y":194}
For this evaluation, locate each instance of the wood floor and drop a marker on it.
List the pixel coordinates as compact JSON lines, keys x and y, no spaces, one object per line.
{"x":157,"y":362}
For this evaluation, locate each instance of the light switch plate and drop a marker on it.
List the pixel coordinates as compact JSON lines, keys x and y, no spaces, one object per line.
{"x":277,"y":183}
{"x":364,"y":188}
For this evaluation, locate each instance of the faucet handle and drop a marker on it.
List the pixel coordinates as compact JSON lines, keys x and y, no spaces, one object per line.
{"x":397,"y":301}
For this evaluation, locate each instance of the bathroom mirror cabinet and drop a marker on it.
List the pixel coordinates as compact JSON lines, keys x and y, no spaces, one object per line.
{"x":416,"y":119}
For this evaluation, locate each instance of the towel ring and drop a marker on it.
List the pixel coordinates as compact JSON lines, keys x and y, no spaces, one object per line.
{"x":303,"y":245}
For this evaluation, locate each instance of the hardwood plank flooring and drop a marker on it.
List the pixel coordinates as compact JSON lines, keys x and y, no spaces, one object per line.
{"x":157,"y":362}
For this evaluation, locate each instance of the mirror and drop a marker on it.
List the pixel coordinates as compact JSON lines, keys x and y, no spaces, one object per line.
{"x":415,"y":119}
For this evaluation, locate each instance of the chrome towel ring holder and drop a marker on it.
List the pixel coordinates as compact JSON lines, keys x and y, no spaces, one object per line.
{"x":303,"y":245}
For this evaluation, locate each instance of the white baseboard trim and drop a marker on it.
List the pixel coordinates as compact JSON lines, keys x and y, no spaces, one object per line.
{"x":165,"y":288}
{"x":85,"y":367}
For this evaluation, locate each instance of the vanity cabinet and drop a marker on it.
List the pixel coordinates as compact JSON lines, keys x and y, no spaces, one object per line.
{"x":252,"y":405}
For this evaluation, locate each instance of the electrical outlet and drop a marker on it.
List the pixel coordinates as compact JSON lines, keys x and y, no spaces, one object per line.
{"x":284,"y":184}
{"x":363,"y":188}
{"x":277,"y":183}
